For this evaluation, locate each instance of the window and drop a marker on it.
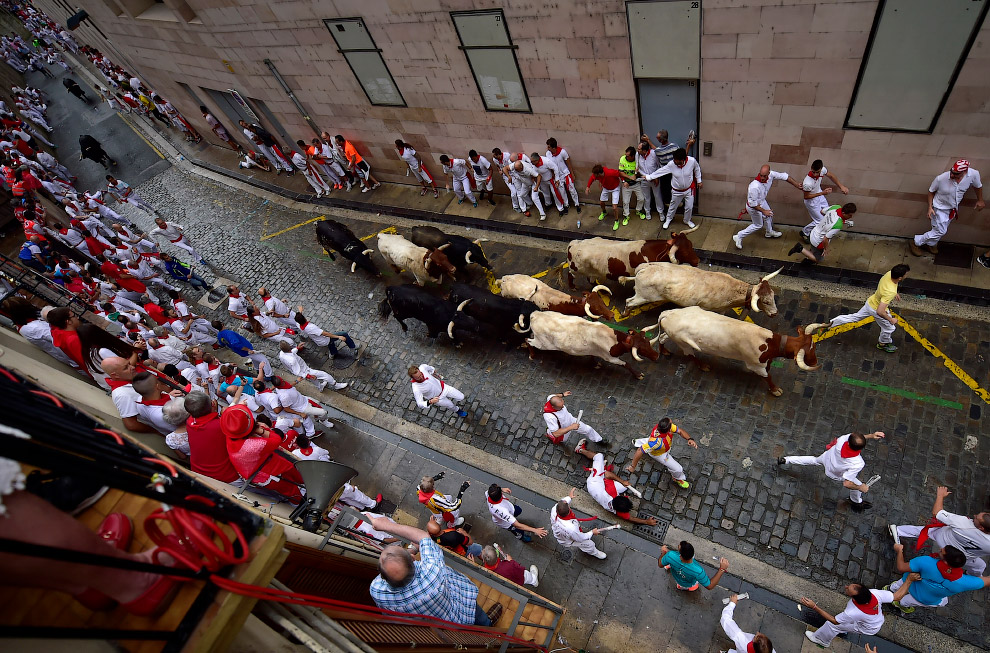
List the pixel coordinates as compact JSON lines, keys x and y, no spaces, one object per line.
{"x":365,"y":60}
{"x":914,"y":55}
{"x":492,"y":56}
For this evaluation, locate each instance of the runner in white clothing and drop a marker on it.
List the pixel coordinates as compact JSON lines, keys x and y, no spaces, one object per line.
{"x":971,"y":535}
{"x":608,"y":489}
{"x":863,"y":613}
{"x":814,"y":194}
{"x":355,"y":498}
{"x":557,"y":157}
{"x":124,"y":193}
{"x":482,"y":169}
{"x":460,"y":172}
{"x":740,"y":639}
{"x":546,"y":185}
{"x":278,"y":309}
{"x":647,"y":162}
{"x":237,"y":304}
{"x":305,"y":165}
{"x":266,"y":327}
{"x":320,"y":337}
{"x":685,"y":172}
{"x":290,"y":400}
{"x":290,"y":358}
{"x":174,"y":233}
{"x":757,"y":206}
{"x":416,"y":167}
{"x":524,"y":180}
{"x":504,"y":514}
{"x":501,"y":160}
{"x":842,"y":462}
{"x":429,"y":389}
{"x":944,"y":197}
{"x":560,"y":422}
{"x":567,"y":530}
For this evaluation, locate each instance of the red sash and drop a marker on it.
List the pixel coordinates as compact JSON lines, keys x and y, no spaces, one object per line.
{"x":923,"y":535}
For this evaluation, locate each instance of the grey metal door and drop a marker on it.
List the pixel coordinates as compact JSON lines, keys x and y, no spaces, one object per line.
{"x":670,"y":104}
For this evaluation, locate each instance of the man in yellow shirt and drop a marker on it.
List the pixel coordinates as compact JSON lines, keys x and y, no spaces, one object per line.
{"x":877,"y":306}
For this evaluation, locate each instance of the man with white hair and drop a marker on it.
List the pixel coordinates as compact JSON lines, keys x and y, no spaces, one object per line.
{"x":945,"y":194}
{"x":757,"y":206}
{"x":506,"y":567}
{"x":560,"y":423}
{"x":174,"y":414}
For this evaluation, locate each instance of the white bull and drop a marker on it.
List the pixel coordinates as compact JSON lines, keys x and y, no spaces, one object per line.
{"x":687,"y":286}
{"x":697,"y":331}
{"x":423,"y":263}
{"x":521,"y":286}
{"x":577,"y":336}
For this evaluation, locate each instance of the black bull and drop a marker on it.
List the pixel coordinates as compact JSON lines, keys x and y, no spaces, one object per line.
{"x":439,"y":315}
{"x":335,"y":237}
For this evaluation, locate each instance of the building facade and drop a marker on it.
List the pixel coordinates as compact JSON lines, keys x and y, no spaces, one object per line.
{"x":888,"y":93}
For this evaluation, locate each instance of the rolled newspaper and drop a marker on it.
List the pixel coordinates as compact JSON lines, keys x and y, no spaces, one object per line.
{"x":580,"y":414}
{"x":744,"y":595}
{"x":873,"y":479}
{"x":609,"y":528}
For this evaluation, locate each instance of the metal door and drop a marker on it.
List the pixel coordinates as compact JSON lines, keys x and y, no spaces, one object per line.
{"x":670,"y":104}
{"x":231,"y":109}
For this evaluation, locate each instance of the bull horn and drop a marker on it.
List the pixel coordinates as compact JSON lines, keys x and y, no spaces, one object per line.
{"x":799,"y":359}
{"x":450,"y":329}
{"x":521,"y":325}
{"x":694,"y":228}
{"x":519,"y":329}
{"x":672,"y":255}
{"x":443,"y":247}
{"x":635,"y":355}
{"x":371,"y":251}
{"x":601,"y":288}
{"x":460,"y":307}
{"x":467,"y":257}
{"x":587,"y":310}
{"x":771,"y":275}
{"x":353,"y":267}
{"x":753,"y":300}
{"x":479,"y":241}
{"x":811,"y":328}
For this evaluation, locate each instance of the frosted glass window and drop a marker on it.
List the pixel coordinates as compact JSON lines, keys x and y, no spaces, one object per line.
{"x":491,"y":55}
{"x":366,"y":62}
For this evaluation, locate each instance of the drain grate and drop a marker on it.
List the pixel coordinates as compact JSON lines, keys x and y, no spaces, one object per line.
{"x":652,"y":533}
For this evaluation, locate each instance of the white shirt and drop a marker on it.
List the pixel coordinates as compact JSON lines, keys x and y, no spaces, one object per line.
{"x":812,"y":185}
{"x":126,"y":399}
{"x":524,"y":176}
{"x":854,"y":620}
{"x":481,"y":167}
{"x":152,"y":416}
{"x":172,"y":231}
{"x":647,"y":164}
{"x":211,"y":120}
{"x":827,"y":227}
{"x":294,"y":363}
{"x":546,"y":174}
{"x":458,"y":168}
{"x":315,"y":334}
{"x":960,"y":531}
{"x":237,"y":305}
{"x":501,"y":162}
{"x":409,"y":156}
{"x":316,"y":453}
{"x":568,"y":531}
{"x":949,"y":193}
{"x":503,"y":513}
{"x":300,"y":161}
{"x":39,"y":334}
{"x":268,"y":325}
{"x":756,"y":194}
{"x":558,"y":162}
{"x":165,"y":354}
{"x":275,"y":305}
{"x":838,"y":468}
{"x":596,"y":484}
{"x":739,"y":639}
{"x":559,"y":419}
{"x":428,"y":388}
{"x":681,"y":178}
{"x":269,"y":401}
{"x":292,"y":398}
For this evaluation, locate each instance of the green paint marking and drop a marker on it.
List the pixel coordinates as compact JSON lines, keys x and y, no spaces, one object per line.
{"x":903,"y":393}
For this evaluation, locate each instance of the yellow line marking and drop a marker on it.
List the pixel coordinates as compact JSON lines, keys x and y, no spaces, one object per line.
{"x":138,"y":132}
{"x":540,"y":275}
{"x":301,"y":224}
{"x":386,"y":230}
{"x":739,"y":311}
{"x":961,"y":374}
{"x":842,"y":328}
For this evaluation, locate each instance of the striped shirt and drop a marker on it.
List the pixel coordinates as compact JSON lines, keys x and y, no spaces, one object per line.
{"x":434,"y":591}
{"x":665,"y":153}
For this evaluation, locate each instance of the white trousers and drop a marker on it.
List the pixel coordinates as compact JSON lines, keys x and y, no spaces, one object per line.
{"x":281,"y":337}
{"x":830,"y":631}
{"x":183,"y":243}
{"x":627,"y":191}
{"x":462,"y":188}
{"x":311,"y":411}
{"x":549,"y":191}
{"x":106,"y":212}
{"x":321,"y":376}
{"x":287,"y":321}
{"x":483,"y":183}
{"x":886,"y":328}
{"x":334,"y":172}
{"x":139,"y":202}
{"x":672,"y":465}
{"x":652,"y":196}
{"x":524,"y":195}
{"x":448,"y":396}
{"x":940,"y":224}
{"x":528,"y":578}
{"x":316,"y":181}
{"x":272,"y":155}
{"x":759,"y":220}
{"x":910,"y":602}
{"x":587,"y":546}
{"x":814,"y":206}
{"x":585,"y":431}
{"x":565,"y":186}
{"x":974,"y":566}
{"x":676,"y":197}
{"x":260,"y":359}
{"x":356,"y":498}
{"x":854,"y":495}
{"x":513,"y":193}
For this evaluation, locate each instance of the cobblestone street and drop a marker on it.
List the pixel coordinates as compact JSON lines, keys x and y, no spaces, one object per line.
{"x":795,"y":519}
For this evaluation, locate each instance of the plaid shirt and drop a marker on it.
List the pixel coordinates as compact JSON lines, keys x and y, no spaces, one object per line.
{"x":434,"y":591}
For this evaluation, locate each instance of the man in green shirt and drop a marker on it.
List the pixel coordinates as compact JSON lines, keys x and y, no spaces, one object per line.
{"x":877,"y":306}
{"x":687,"y":573}
{"x":630,"y":185}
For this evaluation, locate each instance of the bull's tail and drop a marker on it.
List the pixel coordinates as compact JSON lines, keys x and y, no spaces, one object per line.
{"x":327,"y":249}
{"x":626,"y":279}
{"x":384,"y":309}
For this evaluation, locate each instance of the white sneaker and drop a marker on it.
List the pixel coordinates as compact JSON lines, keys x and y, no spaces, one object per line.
{"x":666,"y":223}
{"x":350,"y":185}
{"x":365,"y":189}
{"x":322,"y":385}
{"x":339,"y":386}
{"x":690,"y":224}
{"x":773,"y":234}
{"x":457,"y":522}
{"x":600,"y":555}
{"x":814,"y":639}
{"x":582,"y":444}
{"x":542,"y":218}
{"x":536,"y":575}
{"x":327,"y":423}
{"x":738,"y":241}
{"x":319,"y":194}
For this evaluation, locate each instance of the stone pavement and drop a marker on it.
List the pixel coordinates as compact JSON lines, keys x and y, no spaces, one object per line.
{"x":794,"y":520}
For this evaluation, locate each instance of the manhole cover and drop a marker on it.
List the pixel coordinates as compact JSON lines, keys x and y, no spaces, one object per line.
{"x":652,"y":533}
{"x":342,"y":362}
{"x":565,"y":556}
{"x":387,"y":508}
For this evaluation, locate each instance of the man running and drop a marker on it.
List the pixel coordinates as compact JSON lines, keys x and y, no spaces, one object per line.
{"x":843,"y":462}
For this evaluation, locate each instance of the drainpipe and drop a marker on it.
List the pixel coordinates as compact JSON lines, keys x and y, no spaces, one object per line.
{"x":292,"y":96}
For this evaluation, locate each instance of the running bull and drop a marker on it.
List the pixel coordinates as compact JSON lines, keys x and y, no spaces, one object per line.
{"x":500,"y":313}
{"x":410,"y":301}
{"x":598,"y":258}
{"x":697,"y":331}
{"x":687,"y":286}
{"x":333,"y":236}
{"x":425,"y":264}
{"x":578,"y":337}
{"x":462,"y":251}
{"x":590,"y":303}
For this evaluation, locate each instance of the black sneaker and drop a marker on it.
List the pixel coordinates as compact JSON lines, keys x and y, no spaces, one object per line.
{"x":605,"y":444}
{"x":794,"y":250}
{"x":805,"y":238}
{"x":984,"y":261}
{"x":577,"y":207}
{"x":781,"y":461}
{"x":71,"y":494}
{"x":860,"y":507}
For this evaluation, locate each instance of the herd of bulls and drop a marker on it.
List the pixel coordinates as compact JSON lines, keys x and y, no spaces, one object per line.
{"x":530,"y":312}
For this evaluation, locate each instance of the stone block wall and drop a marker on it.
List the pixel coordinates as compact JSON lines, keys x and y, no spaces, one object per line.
{"x":777,"y":78}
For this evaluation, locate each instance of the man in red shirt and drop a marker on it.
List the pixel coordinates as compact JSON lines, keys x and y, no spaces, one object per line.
{"x":610,"y":182}
{"x":153,"y":310}
{"x":506,"y":567}
{"x":123,"y":279}
{"x":207,"y":443}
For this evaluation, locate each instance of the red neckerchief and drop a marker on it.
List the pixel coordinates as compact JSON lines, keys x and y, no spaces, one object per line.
{"x":814,"y":175}
{"x":949,"y":573}
{"x":757,"y":178}
{"x":494,"y":503}
{"x":871,"y":608}
{"x":116,"y":383}
{"x":401,"y":150}
{"x":570,"y":516}
{"x":266,"y":390}
{"x":548,"y":407}
{"x":750,"y":648}
{"x":212,"y":366}
{"x":846,"y":451}
{"x":838,"y":212}
{"x":425,"y":378}
{"x":304,"y":325}
{"x":556,"y":151}
{"x":209,"y":417}
{"x":307,"y":451}
{"x":492,"y":567}
{"x":161,"y":401}
{"x":923,"y":535}
{"x":610,"y":488}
